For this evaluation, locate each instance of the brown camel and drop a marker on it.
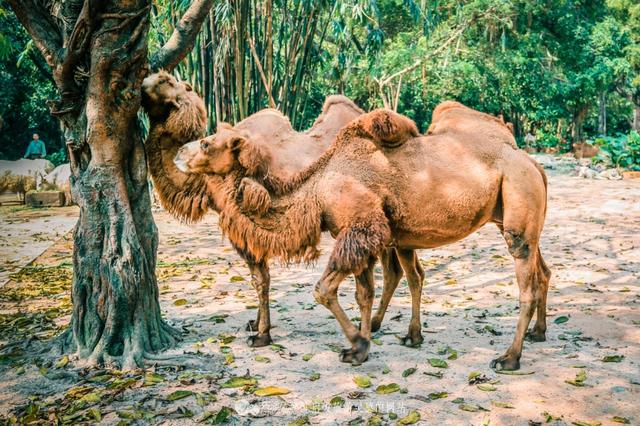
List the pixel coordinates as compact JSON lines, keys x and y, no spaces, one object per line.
{"x":177,"y":115}
{"x":381,"y":184}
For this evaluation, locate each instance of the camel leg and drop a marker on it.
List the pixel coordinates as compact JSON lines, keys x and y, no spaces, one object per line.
{"x":261,"y":281}
{"x":532,"y":277}
{"x":391,"y":273}
{"x":415,"y":277}
{"x":538,"y":333}
{"x":326,"y":293}
{"x":365,"y":292}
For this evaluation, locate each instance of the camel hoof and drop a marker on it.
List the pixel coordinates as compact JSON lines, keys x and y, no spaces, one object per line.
{"x":412,"y":342}
{"x":356,"y":355}
{"x":259,"y":340}
{"x":535,"y":336}
{"x":505,"y":363}
{"x":375,"y":325}
{"x":252,"y":325}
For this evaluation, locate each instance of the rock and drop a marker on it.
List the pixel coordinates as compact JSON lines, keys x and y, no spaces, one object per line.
{"x":58,"y":179}
{"x":587,"y":173}
{"x":610,"y":174}
{"x":45,"y":198}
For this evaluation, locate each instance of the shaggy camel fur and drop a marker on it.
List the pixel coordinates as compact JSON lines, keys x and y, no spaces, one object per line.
{"x":270,"y":161}
{"x":178,"y":115}
{"x":410,"y":192}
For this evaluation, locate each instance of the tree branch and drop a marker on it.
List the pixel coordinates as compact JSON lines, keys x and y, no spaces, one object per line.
{"x":45,"y":34}
{"x":183,"y":38}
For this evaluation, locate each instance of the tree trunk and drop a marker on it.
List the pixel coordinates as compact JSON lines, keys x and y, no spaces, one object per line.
{"x":97,"y":51}
{"x":578,"y":121}
{"x":636,"y":111}
{"x":116,"y":313}
{"x":602,"y":113}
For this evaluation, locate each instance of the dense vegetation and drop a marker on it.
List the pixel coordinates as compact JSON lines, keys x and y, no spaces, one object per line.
{"x":563,"y":70}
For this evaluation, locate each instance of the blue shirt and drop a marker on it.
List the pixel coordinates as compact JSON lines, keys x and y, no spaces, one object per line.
{"x":36,"y":148}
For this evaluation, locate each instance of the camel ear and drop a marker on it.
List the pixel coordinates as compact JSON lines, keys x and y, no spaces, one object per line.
{"x":187,"y":86}
{"x":388,"y":129}
{"x":251,"y":156}
{"x":235,"y":143}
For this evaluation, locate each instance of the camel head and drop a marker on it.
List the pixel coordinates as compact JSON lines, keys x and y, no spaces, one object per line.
{"x":387,"y":128}
{"x":161,"y":92}
{"x":227,"y":150}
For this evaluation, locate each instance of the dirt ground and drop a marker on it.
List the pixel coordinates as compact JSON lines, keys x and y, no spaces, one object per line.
{"x":591,"y":242}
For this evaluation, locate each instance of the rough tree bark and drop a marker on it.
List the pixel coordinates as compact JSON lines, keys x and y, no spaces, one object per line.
{"x":97,"y":51}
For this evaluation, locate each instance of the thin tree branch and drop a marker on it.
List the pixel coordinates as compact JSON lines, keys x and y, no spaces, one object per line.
{"x":45,"y":34}
{"x":256,"y":58}
{"x":183,"y":38}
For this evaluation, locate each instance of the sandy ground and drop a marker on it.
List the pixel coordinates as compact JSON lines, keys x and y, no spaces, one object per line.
{"x":25,"y":233}
{"x":591,"y":242}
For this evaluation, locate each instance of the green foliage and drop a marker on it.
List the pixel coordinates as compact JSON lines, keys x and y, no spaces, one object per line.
{"x":25,"y":87}
{"x":564,"y":70}
{"x":59,"y":157}
{"x":622,"y":150}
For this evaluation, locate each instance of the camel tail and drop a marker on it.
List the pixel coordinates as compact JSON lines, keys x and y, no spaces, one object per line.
{"x":546,"y":182}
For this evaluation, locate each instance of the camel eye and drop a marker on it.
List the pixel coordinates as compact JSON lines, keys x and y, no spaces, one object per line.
{"x":204,"y":145}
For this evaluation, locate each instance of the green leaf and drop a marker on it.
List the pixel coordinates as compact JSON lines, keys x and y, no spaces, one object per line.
{"x":95,"y":413}
{"x":386,"y":389}
{"x":408,"y":372}
{"x":239,"y":382}
{"x":179,"y":394}
{"x":623,"y":420}
{"x":229,"y":359}
{"x":337,"y":401}
{"x":438,"y":363}
{"x":580,"y":423}
{"x":316,"y":405}
{"x":579,"y":380}
{"x":486,"y":387}
{"x":515,"y":373}
{"x":236,"y":279}
{"x":151,"y":378}
{"x":561,"y":319}
{"x":473,"y":375}
{"x":613,"y":358}
{"x":362,"y":381}
{"x":277,"y":347}
{"x":222,"y":416}
{"x":437,"y":395}
{"x":180,"y":302}
{"x":492,"y":330}
{"x":271,"y":391}
{"x":219,"y":318}
{"x":473,"y":408}
{"x":411,"y":418}
{"x":62,"y":362}
{"x":314,"y":377}
{"x":307,"y":357}
{"x":300,"y":421}
{"x":502,"y":404}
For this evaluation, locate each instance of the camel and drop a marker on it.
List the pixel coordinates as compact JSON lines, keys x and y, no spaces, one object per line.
{"x":177,"y":115}
{"x":381,"y":184}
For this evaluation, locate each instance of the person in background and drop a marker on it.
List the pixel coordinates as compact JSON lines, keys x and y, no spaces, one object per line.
{"x":36,"y":148}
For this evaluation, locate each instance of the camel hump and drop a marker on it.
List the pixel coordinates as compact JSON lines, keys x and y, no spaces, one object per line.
{"x":335,"y":100}
{"x":444,"y":106}
{"x":388,"y":128}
